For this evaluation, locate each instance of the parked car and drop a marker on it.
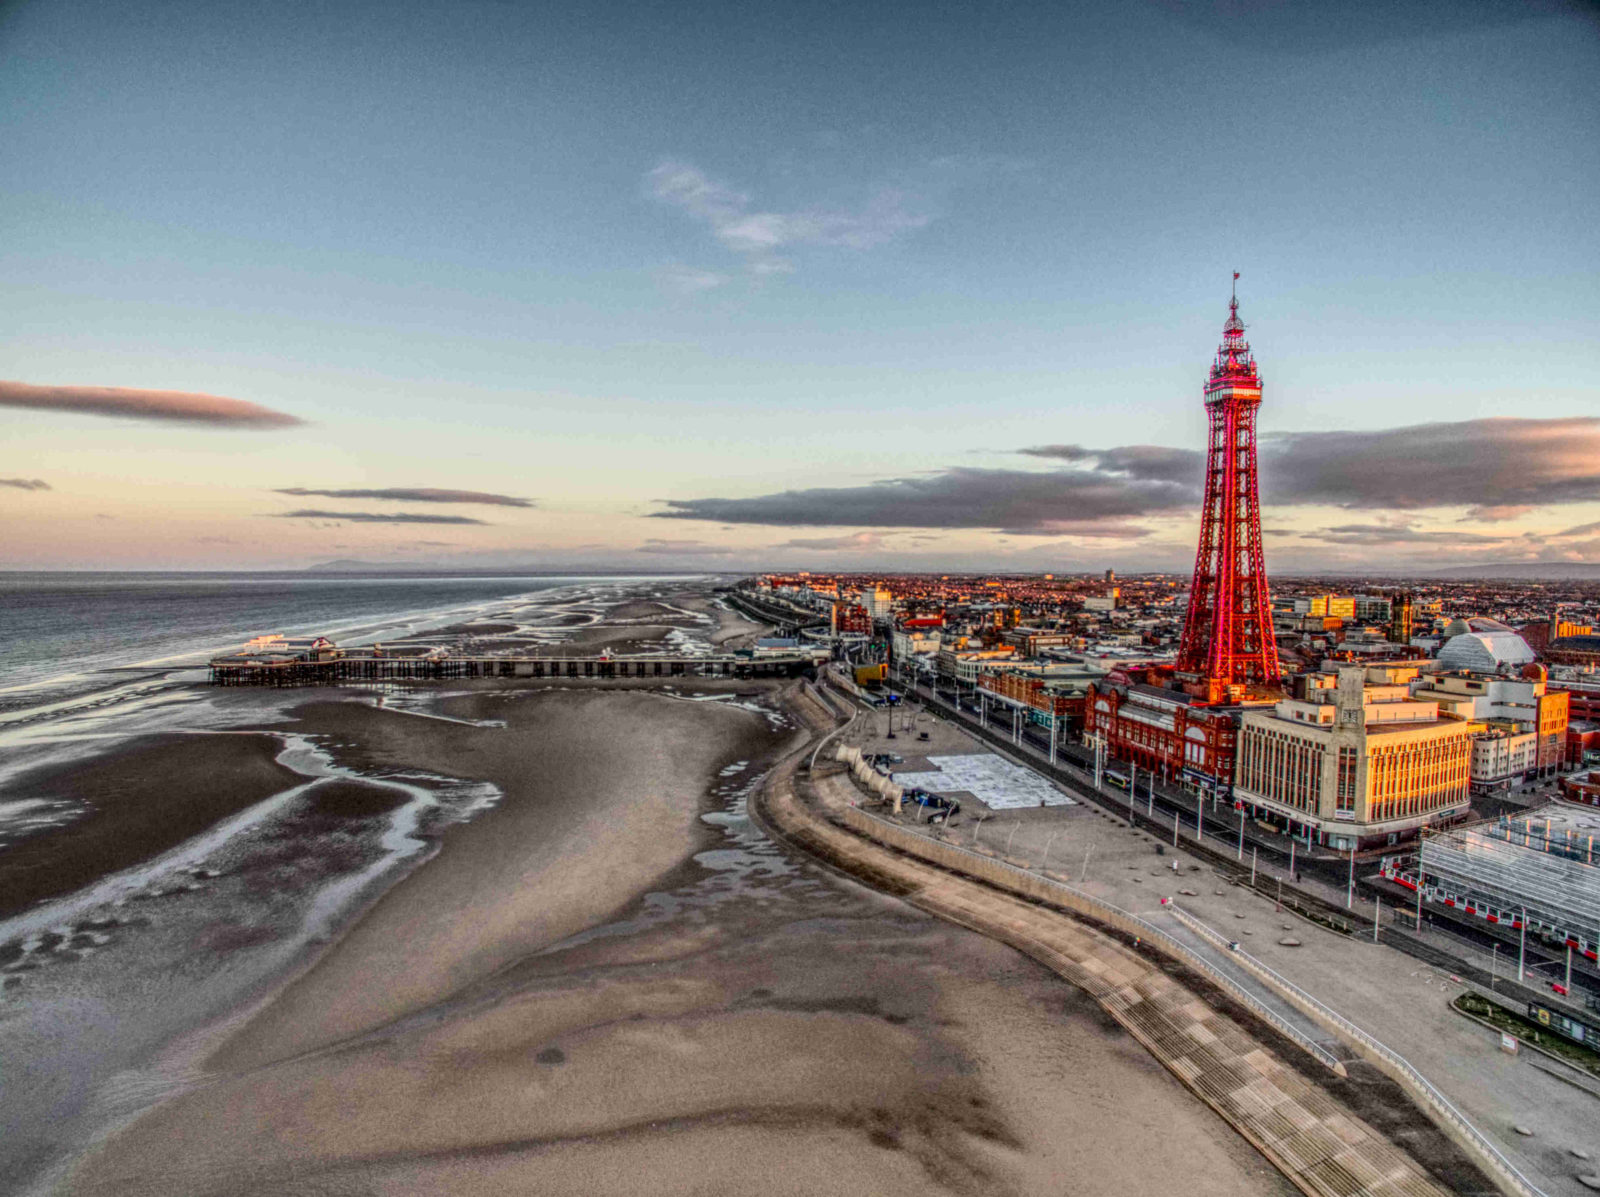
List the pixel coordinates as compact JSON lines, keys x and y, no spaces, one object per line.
{"x":939,"y":807}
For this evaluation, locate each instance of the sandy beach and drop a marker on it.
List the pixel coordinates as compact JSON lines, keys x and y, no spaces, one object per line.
{"x":610,"y":981}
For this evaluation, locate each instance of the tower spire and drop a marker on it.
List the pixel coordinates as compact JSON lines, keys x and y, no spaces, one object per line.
{"x":1227,"y":636}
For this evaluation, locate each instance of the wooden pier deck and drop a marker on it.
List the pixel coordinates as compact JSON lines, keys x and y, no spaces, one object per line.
{"x":245,"y":671}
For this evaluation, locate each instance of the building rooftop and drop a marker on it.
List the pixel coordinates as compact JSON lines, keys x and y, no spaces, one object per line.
{"x":1582,"y":644}
{"x":1161,"y":693}
{"x":1486,"y":651}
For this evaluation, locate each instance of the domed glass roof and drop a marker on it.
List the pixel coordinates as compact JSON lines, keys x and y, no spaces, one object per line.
{"x":1474,"y":623}
{"x":1485,"y":651}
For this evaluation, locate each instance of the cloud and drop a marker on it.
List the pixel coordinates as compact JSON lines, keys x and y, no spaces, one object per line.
{"x":25,"y":483}
{"x":1027,"y":503}
{"x":370,"y":517}
{"x":759,"y":235}
{"x":186,"y":406}
{"x":413,"y":494}
{"x":683,"y":548}
{"x":1489,"y":464}
{"x":1579,"y":530}
{"x":1498,"y":468}
{"x":689,"y":281}
{"x":855,"y":542}
{"x":1161,"y":463}
{"x":1358,"y":534}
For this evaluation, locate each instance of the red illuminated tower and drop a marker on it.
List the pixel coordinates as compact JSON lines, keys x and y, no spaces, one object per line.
{"x":1227,"y":637}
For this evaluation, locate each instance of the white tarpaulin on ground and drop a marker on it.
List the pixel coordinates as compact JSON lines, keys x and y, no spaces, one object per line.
{"x":994,"y":781}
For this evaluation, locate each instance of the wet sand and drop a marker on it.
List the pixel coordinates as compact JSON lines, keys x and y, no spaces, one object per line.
{"x":597,"y":786}
{"x":609,"y":981}
{"x":594,"y":989}
{"x":137,"y":803}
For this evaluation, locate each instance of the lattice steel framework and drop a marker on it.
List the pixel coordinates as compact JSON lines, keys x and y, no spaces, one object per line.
{"x":1227,"y":636}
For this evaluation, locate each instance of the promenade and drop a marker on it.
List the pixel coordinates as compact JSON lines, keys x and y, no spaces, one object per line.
{"x":1308,"y":1127}
{"x":1404,"y":1001}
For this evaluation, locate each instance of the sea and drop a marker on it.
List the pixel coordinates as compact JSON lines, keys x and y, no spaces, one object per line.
{"x":68,"y":634}
{"x":100,"y":986}
{"x":91,"y":658}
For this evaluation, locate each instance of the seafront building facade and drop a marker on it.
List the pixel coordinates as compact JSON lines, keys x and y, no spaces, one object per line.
{"x":1049,"y":695}
{"x":1358,"y":765}
{"x":1165,"y":731}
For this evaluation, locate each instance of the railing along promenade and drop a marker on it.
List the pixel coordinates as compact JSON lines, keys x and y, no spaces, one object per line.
{"x":1383,"y":1057}
{"x":247,"y":671}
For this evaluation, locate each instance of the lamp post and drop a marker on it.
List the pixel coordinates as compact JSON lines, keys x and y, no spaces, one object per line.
{"x":1522,"y":944}
{"x":1097,"y":741}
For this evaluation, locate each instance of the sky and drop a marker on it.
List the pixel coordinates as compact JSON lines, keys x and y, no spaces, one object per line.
{"x":738,"y":286}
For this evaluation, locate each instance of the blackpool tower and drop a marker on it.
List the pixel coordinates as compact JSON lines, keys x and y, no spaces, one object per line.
{"x":1227,"y":636}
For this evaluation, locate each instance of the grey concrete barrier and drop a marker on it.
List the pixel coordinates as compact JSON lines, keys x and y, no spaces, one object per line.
{"x":1388,"y":1061}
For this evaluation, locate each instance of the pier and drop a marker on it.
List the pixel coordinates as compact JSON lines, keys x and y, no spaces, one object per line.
{"x":248,"y":670}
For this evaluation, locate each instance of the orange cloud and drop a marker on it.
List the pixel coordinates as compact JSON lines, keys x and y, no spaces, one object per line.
{"x":186,"y":406}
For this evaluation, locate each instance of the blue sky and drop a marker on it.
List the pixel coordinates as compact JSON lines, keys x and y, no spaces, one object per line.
{"x":632,"y":261}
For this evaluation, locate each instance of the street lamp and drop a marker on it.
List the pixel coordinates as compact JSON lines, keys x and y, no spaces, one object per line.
{"x":1045,"y":860}
{"x":1097,"y":740}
